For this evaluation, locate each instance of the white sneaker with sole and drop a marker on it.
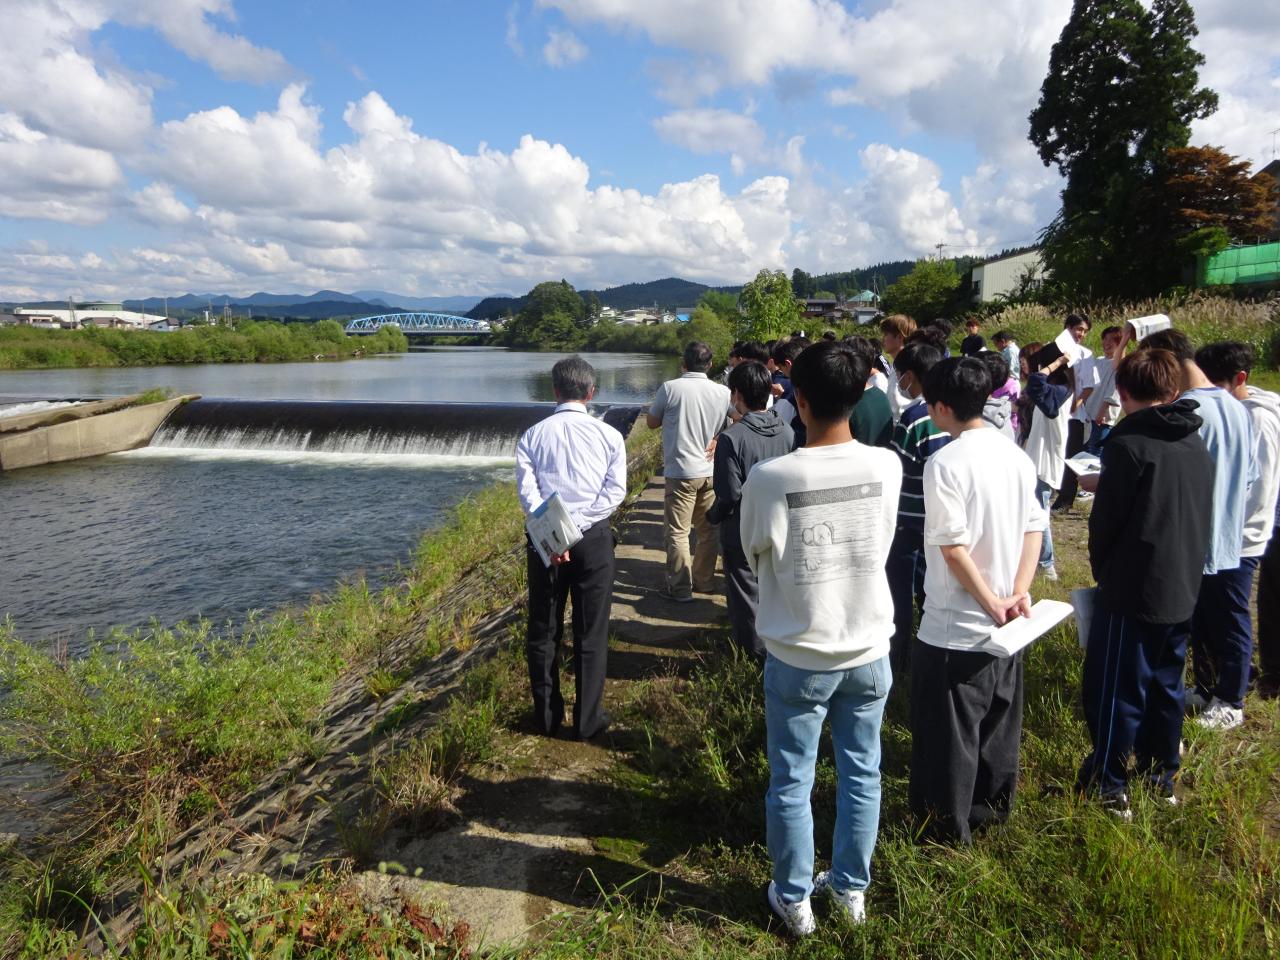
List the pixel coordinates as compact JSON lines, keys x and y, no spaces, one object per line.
{"x":853,"y":903}
{"x":796,"y":917}
{"x":1050,"y":573}
{"x":1220,"y":716}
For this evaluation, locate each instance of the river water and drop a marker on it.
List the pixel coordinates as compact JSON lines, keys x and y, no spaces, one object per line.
{"x":174,"y":533}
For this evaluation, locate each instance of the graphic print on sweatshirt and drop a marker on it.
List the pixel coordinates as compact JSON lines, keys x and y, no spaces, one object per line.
{"x":829,"y":532}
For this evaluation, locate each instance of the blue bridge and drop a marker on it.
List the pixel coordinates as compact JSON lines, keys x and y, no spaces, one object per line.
{"x":422,"y":324}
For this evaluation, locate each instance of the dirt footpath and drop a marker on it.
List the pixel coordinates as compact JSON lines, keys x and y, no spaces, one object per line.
{"x":526,"y":843}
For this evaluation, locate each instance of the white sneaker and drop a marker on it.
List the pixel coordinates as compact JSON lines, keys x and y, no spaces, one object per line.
{"x":1084,"y":496}
{"x":1220,"y":716}
{"x":1050,"y":573}
{"x":796,"y":917}
{"x":1192,"y":700}
{"x":853,"y":903}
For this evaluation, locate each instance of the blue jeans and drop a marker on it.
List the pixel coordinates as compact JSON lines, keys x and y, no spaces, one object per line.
{"x":1044,"y":493}
{"x":795,"y":703}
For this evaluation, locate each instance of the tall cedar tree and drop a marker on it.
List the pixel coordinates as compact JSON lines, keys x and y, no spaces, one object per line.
{"x":1122,"y":90}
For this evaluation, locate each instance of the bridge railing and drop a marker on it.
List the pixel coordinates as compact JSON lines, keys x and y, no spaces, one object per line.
{"x":438,"y":323}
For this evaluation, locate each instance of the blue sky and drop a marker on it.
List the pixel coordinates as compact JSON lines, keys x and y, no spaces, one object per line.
{"x":161,"y":146}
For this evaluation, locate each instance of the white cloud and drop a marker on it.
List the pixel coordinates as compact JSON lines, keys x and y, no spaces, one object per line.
{"x":44,"y":177}
{"x":156,"y":204}
{"x":186,"y":25}
{"x":707,"y":130}
{"x":563,"y":48}
{"x":513,"y":41}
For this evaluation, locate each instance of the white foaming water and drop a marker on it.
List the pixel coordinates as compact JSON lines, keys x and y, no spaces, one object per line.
{"x":36,"y":406}
{"x":369,"y":443}
{"x":380,"y":461}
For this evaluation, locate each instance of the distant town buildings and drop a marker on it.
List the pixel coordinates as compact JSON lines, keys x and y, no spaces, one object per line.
{"x":77,"y":316}
{"x":862,"y":308}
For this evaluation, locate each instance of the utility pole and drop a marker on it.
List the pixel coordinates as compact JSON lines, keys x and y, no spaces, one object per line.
{"x":939,"y":247}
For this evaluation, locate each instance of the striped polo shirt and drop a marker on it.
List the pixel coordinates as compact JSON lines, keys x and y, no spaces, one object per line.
{"x":916,"y":439}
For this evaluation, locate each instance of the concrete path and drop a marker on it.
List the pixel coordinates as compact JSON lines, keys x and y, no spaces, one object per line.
{"x":523,"y":847}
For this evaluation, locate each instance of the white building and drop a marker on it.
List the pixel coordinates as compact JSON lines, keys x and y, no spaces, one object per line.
{"x":110,"y":315}
{"x":1001,"y":276}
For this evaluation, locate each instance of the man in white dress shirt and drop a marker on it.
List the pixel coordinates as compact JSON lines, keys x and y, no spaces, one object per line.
{"x":583,"y":460}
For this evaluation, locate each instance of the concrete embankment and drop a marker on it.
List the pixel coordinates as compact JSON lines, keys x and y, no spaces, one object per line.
{"x":85,"y":430}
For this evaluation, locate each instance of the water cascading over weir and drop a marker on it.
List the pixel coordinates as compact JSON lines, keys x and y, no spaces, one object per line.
{"x":366,"y":428}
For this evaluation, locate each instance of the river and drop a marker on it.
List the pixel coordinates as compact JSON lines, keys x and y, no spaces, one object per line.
{"x":173,"y":533}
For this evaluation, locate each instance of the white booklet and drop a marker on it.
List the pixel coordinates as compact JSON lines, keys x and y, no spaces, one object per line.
{"x":551,"y":529}
{"x":1017,"y":633}
{"x":1083,"y":464}
{"x":1082,"y":600}
{"x":1143,"y":327}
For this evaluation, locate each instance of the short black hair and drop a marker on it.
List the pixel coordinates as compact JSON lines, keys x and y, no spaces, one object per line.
{"x":697,"y":357}
{"x":917,"y":357}
{"x":752,"y":381}
{"x":753,"y":350}
{"x":1001,"y":336}
{"x":573,"y":378}
{"x":864,"y":348}
{"x":962,"y":383}
{"x":828,"y":334}
{"x":788,"y":348}
{"x":1112,"y":331}
{"x":831,"y":376}
{"x":737,"y":345}
{"x":931,"y":335}
{"x":1175,"y":341}
{"x":1221,"y":361}
{"x":997,"y":367}
{"x":1073,"y":319}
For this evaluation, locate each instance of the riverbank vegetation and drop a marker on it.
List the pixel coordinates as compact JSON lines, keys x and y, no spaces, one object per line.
{"x":249,"y":341}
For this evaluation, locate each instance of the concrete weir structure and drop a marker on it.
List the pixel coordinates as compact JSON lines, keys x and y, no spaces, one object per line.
{"x":84,"y":430}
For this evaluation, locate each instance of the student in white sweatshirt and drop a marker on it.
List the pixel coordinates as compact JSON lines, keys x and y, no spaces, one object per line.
{"x":816,"y":527}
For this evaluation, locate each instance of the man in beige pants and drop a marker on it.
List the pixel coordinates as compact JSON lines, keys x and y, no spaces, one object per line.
{"x":691,"y":410}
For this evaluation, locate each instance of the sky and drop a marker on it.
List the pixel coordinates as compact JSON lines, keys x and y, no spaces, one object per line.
{"x":443,"y":147}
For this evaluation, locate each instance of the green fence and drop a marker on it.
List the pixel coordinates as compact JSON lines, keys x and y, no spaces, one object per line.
{"x":1240,"y":266}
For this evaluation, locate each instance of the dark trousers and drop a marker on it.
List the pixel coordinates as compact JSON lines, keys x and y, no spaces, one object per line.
{"x":1097,"y":437}
{"x":1075,"y":444}
{"x":1268,"y":642}
{"x":966,"y":721}
{"x":588,"y":579}
{"x":1133,"y":700}
{"x":905,"y":571}
{"x":1222,"y":634}
{"x":742,"y":591}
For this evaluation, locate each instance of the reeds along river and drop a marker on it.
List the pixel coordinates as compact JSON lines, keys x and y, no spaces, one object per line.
{"x":242,"y":504}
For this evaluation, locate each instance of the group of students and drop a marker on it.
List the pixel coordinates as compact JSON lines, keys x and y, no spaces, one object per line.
{"x":846,"y":483}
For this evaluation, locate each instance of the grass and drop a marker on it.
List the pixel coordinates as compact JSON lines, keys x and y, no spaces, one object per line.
{"x":32,"y":348}
{"x":1205,"y":318}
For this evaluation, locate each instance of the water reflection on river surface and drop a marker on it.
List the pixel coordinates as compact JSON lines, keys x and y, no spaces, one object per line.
{"x":175,"y":534}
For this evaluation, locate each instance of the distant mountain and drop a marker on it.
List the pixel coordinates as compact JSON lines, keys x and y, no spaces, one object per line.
{"x":492,"y":308}
{"x":443,"y":304}
{"x":669,"y":292}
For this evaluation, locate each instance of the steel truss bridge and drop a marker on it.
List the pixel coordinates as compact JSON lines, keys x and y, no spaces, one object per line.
{"x":422,"y":324}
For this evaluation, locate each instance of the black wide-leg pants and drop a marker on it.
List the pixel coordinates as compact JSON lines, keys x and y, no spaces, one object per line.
{"x":966,"y":723}
{"x":587,"y":579}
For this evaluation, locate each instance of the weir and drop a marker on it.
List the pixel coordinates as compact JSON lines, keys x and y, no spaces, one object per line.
{"x":368,"y":428}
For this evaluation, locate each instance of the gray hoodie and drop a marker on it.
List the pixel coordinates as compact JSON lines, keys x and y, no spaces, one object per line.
{"x":759,"y":435}
{"x":998,"y":412}
{"x":1260,"y":508}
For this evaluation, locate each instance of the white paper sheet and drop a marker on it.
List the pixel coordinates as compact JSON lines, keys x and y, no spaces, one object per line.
{"x":1084,"y":463}
{"x":551,"y":529}
{"x":1013,"y":636}
{"x":1143,"y":327}
{"x":1073,"y":351}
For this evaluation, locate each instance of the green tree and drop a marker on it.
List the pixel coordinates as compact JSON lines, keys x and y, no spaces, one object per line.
{"x":769,"y":310}
{"x":1122,"y":90}
{"x":553,"y":315}
{"x":723,"y":305}
{"x":802,"y":284}
{"x":712,"y":329}
{"x":926,"y":292}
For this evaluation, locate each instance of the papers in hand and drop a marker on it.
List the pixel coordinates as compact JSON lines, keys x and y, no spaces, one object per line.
{"x":551,"y":529}
{"x":1068,"y":347}
{"x":1084,"y":464}
{"x":1017,"y":633}
{"x":1143,"y":327}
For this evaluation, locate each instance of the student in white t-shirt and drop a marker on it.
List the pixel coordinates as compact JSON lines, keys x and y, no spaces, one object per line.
{"x":816,"y":526}
{"x":983,"y":525}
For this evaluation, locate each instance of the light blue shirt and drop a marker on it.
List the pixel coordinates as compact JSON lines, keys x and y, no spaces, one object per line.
{"x":1228,"y":433}
{"x":577,"y":456}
